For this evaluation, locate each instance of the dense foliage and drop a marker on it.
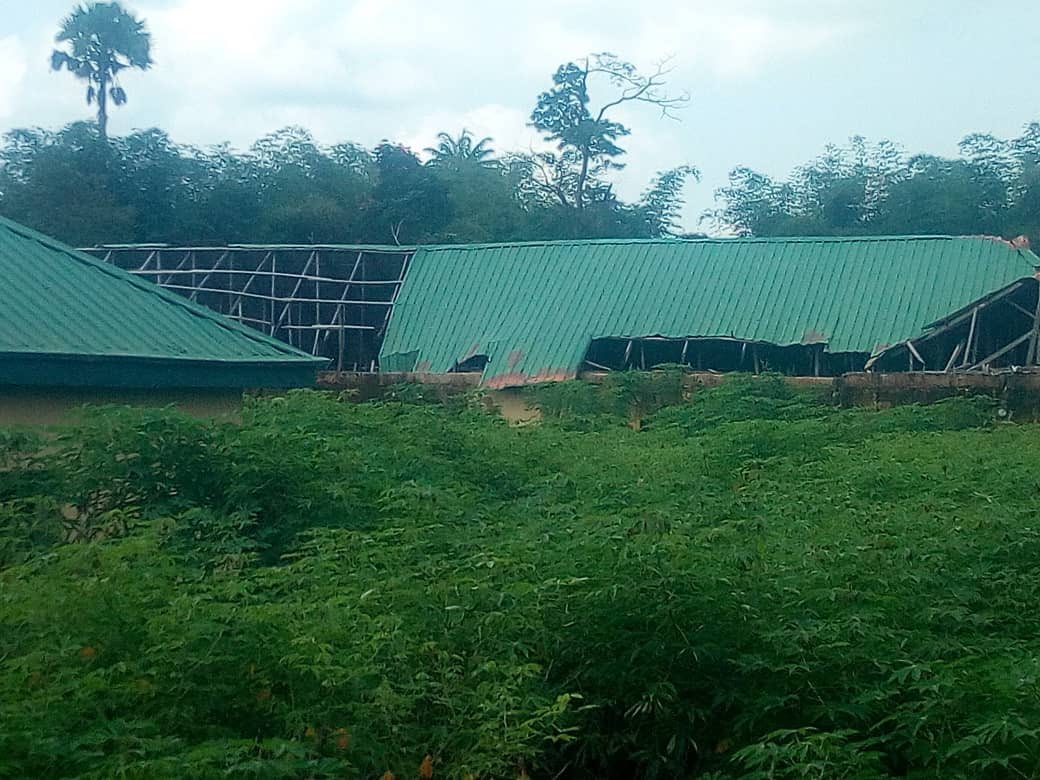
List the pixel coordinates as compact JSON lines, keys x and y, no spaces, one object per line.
{"x":752,"y":585}
{"x":992,"y":188}
{"x":287,"y":188}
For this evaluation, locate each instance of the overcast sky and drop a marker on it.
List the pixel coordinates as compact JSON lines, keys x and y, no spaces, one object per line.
{"x":770,"y":81}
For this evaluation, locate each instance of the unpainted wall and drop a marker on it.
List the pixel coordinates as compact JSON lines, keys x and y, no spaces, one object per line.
{"x":1018,"y":392}
{"x":31,"y":406}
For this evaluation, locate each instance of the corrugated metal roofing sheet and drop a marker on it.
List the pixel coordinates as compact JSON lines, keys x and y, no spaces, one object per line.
{"x":534,"y":308}
{"x":60,"y":302}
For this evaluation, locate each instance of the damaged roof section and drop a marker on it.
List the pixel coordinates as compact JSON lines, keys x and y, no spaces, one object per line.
{"x":533,"y":310}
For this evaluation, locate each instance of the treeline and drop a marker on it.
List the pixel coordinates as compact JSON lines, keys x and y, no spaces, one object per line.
{"x":83,"y":186}
{"x":992,"y":187}
{"x":287,"y":188}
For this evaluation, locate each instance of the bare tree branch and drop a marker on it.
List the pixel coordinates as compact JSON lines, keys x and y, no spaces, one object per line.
{"x":642,"y":89}
{"x":587,"y":137}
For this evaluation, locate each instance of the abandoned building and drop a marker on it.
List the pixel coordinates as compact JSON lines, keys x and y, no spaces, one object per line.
{"x":75,"y":330}
{"x":330,"y":301}
{"x":517,"y":314}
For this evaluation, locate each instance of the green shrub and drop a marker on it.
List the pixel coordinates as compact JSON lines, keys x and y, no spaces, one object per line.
{"x":754,"y":585}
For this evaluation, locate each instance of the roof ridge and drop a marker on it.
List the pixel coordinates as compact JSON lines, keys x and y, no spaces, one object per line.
{"x":149,"y":288}
{"x":729,"y":240}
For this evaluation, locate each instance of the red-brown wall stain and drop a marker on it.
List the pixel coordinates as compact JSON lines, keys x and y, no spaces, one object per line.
{"x":516,"y":379}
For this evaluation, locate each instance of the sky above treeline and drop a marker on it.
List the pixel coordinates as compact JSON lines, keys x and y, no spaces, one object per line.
{"x":770,"y":81}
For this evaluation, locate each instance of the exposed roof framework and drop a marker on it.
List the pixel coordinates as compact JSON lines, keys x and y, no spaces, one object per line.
{"x":999,"y":331}
{"x":331,"y":301}
{"x":720,"y":355}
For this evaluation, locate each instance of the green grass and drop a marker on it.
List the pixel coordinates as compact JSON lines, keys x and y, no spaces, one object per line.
{"x":754,"y":585}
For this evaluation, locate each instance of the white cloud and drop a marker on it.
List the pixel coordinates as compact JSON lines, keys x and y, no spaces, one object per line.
{"x":505,"y":125}
{"x":737,"y":41}
{"x":413,"y":58}
{"x":14,"y":68}
{"x":364,"y":70}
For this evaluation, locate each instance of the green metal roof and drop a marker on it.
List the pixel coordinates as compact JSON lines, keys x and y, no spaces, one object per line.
{"x":69,"y":319}
{"x":534,"y":308}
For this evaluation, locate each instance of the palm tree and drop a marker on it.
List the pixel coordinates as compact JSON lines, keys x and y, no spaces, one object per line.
{"x":454,"y":151}
{"x":102,"y":40}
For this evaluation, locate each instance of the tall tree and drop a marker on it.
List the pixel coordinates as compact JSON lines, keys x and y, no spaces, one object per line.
{"x":752,"y":204}
{"x":410,"y":204}
{"x":100,"y":41}
{"x":586,"y":136}
{"x":662,"y":202}
{"x":992,"y":187}
{"x":308,"y":193}
{"x":461,"y":151}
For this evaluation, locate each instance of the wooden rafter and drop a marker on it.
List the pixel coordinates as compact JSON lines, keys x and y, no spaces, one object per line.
{"x":967,"y":354}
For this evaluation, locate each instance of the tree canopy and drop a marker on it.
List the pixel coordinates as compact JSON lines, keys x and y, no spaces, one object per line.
{"x":100,"y":41}
{"x":287,"y":188}
{"x":585,"y":136}
{"x":863,"y":188}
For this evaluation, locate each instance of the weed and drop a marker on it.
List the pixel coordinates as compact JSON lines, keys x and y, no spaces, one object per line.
{"x":753,"y":585}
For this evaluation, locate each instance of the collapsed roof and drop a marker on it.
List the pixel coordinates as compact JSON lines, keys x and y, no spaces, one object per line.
{"x":530,"y":311}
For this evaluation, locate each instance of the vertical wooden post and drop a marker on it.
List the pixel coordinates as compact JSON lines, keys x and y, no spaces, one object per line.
{"x":953,"y":357}
{"x":1034,"y":342}
{"x":342,"y":339}
{"x":274,"y":271}
{"x":915,"y":355}
{"x":317,"y":297}
{"x":970,"y":349}
{"x":816,"y":350}
{"x":366,"y":318}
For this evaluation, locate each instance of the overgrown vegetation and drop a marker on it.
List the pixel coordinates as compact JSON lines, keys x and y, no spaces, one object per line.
{"x":753,"y":585}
